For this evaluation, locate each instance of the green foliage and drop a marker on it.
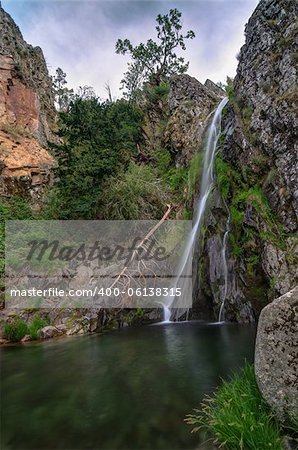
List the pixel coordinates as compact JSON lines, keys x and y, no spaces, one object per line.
{"x":194,"y":173}
{"x":157,"y":92}
{"x":62,"y":94}
{"x":222,"y":170}
{"x":176,"y":178}
{"x":15,"y":208}
{"x":238,"y":416}
{"x":15,"y":331}
{"x":230,"y":90}
{"x":36,"y":325}
{"x":246,"y":113}
{"x":136,"y":194}
{"x":155,"y":61}
{"x":99,"y":140}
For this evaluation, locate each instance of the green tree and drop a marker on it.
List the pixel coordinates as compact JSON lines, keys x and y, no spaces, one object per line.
{"x":63,"y":95}
{"x":99,"y":140}
{"x":155,"y":61}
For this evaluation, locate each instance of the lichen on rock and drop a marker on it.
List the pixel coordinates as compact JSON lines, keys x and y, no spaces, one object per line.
{"x":276,"y":358}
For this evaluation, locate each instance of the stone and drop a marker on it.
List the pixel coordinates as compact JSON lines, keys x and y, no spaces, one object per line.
{"x":218,"y":91}
{"x":27,"y":116}
{"x":26,"y":338}
{"x":276,"y":357}
{"x":49,"y":332}
{"x":190,"y":105}
{"x":281,"y":265}
{"x":266,"y":88}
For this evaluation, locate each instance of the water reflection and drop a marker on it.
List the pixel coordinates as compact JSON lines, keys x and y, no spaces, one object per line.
{"x":125,"y":390}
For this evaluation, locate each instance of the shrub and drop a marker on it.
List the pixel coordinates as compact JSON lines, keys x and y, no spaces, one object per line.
{"x":15,"y":331}
{"x":36,"y":325}
{"x":238,"y":416}
{"x":15,"y":208}
{"x":136,"y":194}
{"x":194,"y":173}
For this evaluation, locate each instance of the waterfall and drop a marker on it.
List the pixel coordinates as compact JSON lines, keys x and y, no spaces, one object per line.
{"x":210,"y":147}
{"x":221,"y":316}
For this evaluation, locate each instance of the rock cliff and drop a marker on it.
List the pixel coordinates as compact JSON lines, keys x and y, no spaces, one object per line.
{"x":27,"y":115}
{"x":257,"y":169}
{"x":176,"y":120}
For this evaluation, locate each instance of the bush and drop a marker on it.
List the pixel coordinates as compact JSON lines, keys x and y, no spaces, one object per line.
{"x":238,"y":416}
{"x":36,"y":325}
{"x":194,"y":173}
{"x":15,"y":331}
{"x":136,"y":194}
{"x":99,"y":140}
{"x":15,"y":208}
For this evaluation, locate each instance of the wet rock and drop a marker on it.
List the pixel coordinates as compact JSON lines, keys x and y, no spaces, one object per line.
{"x":49,"y":332}
{"x":26,"y":338}
{"x":276,"y":358}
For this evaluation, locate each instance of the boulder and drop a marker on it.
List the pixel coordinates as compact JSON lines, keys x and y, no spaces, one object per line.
{"x":26,"y":338}
{"x":276,"y":362}
{"x":49,"y":332}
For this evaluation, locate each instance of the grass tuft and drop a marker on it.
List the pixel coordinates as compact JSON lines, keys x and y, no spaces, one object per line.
{"x":237,"y":416}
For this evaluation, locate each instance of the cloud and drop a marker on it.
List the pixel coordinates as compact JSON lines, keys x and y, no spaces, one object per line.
{"x":80,"y":36}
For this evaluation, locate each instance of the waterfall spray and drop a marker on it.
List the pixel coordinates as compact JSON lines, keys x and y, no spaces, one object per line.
{"x":210,"y":147}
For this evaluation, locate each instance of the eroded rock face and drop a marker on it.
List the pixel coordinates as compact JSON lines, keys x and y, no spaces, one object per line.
{"x":260,"y":143}
{"x":276,"y":358}
{"x":190,"y":104}
{"x":176,"y":122}
{"x":26,"y":115}
{"x":266,"y":86}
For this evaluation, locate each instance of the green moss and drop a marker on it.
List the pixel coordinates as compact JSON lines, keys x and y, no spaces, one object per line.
{"x":230,"y":90}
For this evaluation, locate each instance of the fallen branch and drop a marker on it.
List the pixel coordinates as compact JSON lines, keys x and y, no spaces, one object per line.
{"x":151,"y":232}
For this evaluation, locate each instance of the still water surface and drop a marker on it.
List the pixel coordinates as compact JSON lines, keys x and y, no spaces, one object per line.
{"x":129,"y":389}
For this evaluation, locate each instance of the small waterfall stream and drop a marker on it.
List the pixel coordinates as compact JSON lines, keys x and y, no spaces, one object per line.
{"x":221,"y":316}
{"x":205,"y":189}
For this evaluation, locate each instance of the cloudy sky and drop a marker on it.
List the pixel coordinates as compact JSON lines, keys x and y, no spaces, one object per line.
{"x":79,"y":35}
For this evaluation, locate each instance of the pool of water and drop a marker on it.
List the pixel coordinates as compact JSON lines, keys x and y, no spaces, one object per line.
{"x":129,"y":389}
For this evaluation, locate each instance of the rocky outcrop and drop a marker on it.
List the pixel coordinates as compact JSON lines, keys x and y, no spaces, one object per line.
{"x":276,"y":359}
{"x":190,"y":104}
{"x":70,"y":321}
{"x":27,"y":115}
{"x":176,"y":117}
{"x":259,"y":149}
{"x":266,"y":88}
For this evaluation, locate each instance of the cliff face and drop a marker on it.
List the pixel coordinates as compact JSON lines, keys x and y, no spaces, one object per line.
{"x":266,"y":86}
{"x":27,"y":115}
{"x":259,"y":166}
{"x":177,"y":120}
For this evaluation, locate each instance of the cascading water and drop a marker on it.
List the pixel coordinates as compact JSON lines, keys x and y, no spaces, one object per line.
{"x":221,"y":316}
{"x":205,"y":189}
